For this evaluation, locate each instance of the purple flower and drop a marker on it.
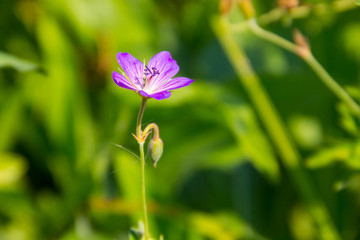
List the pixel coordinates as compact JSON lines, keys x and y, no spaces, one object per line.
{"x":154,"y":80}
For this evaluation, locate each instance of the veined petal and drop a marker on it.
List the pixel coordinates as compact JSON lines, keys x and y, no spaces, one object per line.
{"x":165,"y":65}
{"x":161,"y":95}
{"x":175,"y":83}
{"x":133,"y":68}
{"x":121,"y":81}
{"x":158,"y":96}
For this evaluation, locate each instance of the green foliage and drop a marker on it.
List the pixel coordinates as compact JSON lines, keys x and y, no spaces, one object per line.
{"x":7,"y":60}
{"x":67,"y":164}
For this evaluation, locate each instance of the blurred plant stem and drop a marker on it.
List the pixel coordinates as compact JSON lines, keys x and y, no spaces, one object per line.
{"x":304,"y":11}
{"x":307,"y":56}
{"x":142,"y":163}
{"x":298,"y":12}
{"x":274,"y":126}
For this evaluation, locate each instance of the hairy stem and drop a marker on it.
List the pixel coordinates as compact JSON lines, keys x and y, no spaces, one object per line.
{"x":140,"y":116}
{"x":143,"y":190}
{"x":310,"y":60}
{"x":155,"y":129}
{"x":142,"y":163}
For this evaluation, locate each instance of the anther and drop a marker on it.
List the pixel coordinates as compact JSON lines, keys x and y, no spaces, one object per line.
{"x":152,"y":73}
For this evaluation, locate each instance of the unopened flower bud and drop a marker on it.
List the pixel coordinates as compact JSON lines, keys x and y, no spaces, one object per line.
{"x":288,"y":4}
{"x":155,"y":150}
{"x":302,"y":43}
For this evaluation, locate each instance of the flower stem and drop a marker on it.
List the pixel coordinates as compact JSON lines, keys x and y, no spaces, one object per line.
{"x":143,"y":190}
{"x":155,"y":129}
{"x":310,"y":60}
{"x":332,"y":84}
{"x":142,"y":163}
{"x":140,"y":116}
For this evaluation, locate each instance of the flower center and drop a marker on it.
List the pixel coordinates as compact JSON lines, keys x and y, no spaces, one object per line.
{"x":149,"y":74}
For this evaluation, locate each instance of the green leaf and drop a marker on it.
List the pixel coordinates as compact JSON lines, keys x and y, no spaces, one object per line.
{"x":133,"y":235}
{"x":12,"y":168}
{"x":7,"y":60}
{"x":137,"y":234}
{"x":10,"y":117}
{"x":347,"y":119}
{"x":329,"y":156}
{"x":348,"y":153}
{"x":224,"y":226}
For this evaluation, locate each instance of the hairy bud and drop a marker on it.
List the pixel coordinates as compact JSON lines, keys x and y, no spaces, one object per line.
{"x":155,"y":150}
{"x":302,"y":43}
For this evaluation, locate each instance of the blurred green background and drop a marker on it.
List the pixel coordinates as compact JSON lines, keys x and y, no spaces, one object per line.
{"x":220,"y":176}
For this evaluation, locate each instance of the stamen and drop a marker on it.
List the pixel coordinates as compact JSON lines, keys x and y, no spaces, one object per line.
{"x":155,"y":71}
{"x":152,"y":73}
{"x":137,"y":80}
{"x":147,"y":71}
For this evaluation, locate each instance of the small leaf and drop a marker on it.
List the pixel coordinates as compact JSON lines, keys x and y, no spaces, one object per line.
{"x":347,"y":119}
{"x":329,"y":156}
{"x":7,"y":60}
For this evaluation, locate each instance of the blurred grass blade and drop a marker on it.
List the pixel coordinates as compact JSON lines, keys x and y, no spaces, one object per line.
{"x":8,"y":60}
{"x":253,"y":141}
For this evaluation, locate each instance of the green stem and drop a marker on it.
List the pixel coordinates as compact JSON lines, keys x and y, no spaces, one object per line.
{"x":310,"y":60}
{"x":303,"y":11}
{"x":331,"y":83}
{"x":143,"y":192}
{"x":140,"y":116}
{"x":142,"y":163}
{"x":275,"y":127}
{"x":271,"y":37}
{"x":155,"y":128}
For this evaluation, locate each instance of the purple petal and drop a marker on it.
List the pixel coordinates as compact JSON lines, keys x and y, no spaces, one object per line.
{"x":161,"y":95}
{"x":122,"y":81}
{"x":175,"y":83}
{"x":144,"y":93}
{"x":157,"y":96}
{"x":133,"y":68}
{"x":166,"y":66}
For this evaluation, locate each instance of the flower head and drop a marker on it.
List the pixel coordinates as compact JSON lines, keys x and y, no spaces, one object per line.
{"x":154,"y":80}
